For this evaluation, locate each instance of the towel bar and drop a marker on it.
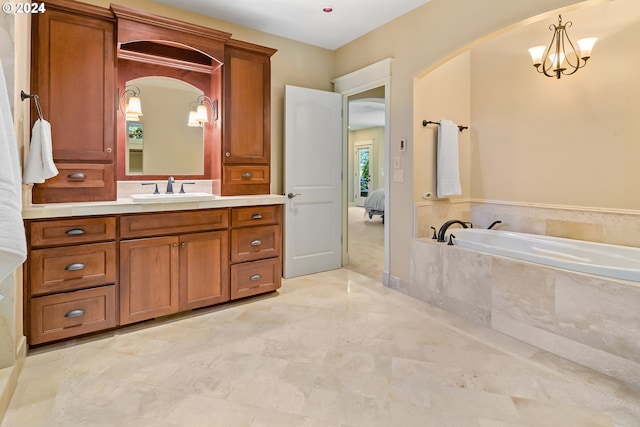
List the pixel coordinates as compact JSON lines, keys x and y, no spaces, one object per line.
{"x":24,"y":96}
{"x":428,"y":122}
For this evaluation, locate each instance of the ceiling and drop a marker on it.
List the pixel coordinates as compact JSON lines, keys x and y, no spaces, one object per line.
{"x":303,"y":20}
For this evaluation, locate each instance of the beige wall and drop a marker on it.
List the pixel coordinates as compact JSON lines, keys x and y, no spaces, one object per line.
{"x":418,"y":42}
{"x":442,"y":94}
{"x":573,"y":141}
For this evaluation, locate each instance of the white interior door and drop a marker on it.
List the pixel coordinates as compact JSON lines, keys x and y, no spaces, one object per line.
{"x":313,"y":181}
{"x":363,"y":167}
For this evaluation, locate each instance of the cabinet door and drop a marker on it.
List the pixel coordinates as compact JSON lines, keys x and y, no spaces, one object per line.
{"x":148,"y":278}
{"x":204,"y":271}
{"x":74,"y":76}
{"x":247,"y":107}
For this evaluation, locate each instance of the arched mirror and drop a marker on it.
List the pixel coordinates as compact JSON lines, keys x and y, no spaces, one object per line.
{"x":160,"y":141}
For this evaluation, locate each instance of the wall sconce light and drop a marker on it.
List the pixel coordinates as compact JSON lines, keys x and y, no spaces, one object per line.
{"x":133,"y":107}
{"x":200,"y":115}
{"x":555,"y":60}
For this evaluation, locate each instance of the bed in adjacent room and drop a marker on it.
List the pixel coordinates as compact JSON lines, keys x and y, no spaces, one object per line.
{"x":374,"y":204}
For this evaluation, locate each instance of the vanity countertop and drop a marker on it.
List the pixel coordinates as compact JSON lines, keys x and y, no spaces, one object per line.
{"x":127,"y":205}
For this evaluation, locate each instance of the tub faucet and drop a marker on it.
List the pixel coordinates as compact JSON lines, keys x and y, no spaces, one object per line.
{"x":493,"y":224}
{"x":170,"y":182}
{"x":448,"y":224}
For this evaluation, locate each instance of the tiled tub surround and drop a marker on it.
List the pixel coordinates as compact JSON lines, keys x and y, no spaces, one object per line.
{"x":584,"y":318}
{"x":594,"y":225}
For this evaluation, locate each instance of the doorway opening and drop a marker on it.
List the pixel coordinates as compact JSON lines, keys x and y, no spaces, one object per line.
{"x":366,"y":183}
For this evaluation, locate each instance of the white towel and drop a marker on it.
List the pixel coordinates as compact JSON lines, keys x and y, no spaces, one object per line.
{"x":13,"y":247}
{"x":448,"y":169}
{"x":39,"y":165}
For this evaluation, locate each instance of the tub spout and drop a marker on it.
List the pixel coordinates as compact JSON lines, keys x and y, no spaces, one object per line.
{"x":493,"y":224}
{"x":446,"y":225}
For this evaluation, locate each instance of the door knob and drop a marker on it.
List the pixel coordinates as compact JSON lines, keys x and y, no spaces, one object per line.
{"x":291,"y":195}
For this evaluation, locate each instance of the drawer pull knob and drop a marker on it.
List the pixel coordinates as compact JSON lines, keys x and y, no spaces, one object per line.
{"x":256,"y":243}
{"x":256,"y":216}
{"x":255,"y":277}
{"x":75,"y":267}
{"x":74,"y":313}
{"x":75,"y":232}
{"x":247,"y":175}
{"x":77,"y":175}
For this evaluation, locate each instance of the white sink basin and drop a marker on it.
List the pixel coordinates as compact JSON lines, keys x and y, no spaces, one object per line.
{"x":175,"y":197}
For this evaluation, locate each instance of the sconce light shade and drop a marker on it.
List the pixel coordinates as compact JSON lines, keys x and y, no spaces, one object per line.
{"x":134,"y":106}
{"x":193,"y":122}
{"x":201,"y":114}
{"x":561,"y":57}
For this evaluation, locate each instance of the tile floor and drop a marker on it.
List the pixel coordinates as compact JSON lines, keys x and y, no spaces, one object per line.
{"x":330,"y":349}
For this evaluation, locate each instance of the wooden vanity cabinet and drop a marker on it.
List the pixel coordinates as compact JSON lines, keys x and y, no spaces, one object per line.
{"x":246,"y":144}
{"x":73,"y":73}
{"x":70,"y":278}
{"x":256,"y":248}
{"x":170,"y":262}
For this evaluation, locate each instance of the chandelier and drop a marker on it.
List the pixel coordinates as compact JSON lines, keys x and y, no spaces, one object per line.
{"x":561,"y":57}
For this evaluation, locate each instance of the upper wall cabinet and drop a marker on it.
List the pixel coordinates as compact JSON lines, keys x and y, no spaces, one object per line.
{"x":247,"y":123}
{"x":73,"y":73}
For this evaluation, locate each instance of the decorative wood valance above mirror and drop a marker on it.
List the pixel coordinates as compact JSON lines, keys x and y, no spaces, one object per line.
{"x":155,"y":49}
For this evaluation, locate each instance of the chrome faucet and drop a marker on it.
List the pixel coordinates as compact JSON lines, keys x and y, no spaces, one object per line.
{"x":448,"y":224}
{"x":170,"y":182}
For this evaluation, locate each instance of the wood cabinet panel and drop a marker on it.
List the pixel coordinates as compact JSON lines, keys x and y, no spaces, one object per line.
{"x":73,"y":51}
{"x":204,"y":269}
{"x":71,"y":314}
{"x":249,"y":244}
{"x":154,"y":224}
{"x":257,"y":277}
{"x":256,"y":215}
{"x":70,"y":231}
{"x":74,"y":267}
{"x":148,"y":278}
{"x":245,"y":102}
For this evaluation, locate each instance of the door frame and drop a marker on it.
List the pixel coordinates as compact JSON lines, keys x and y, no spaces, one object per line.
{"x":371,"y":77}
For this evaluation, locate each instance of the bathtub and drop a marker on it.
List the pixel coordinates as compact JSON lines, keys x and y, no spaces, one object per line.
{"x":617,"y":262}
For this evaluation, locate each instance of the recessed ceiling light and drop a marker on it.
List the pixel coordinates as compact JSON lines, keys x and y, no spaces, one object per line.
{"x":327,"y":9}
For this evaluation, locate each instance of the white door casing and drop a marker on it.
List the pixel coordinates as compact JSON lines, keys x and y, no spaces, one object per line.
{"x":313,"y":181}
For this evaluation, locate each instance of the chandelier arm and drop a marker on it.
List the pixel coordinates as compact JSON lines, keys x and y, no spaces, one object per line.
{"x":546,"y":63}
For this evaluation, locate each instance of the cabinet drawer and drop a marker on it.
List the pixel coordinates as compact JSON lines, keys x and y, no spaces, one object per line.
{"x":78,"y":182}
{"x":68,"y":231}
{"x":248,"y":244}
{"x":252,"y":278}
{"x":73,"y":267}
{"x":66,"y":315}
{"x":249,"y":174}
{"x":157,"y":224}
{"x":256,"y":215}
